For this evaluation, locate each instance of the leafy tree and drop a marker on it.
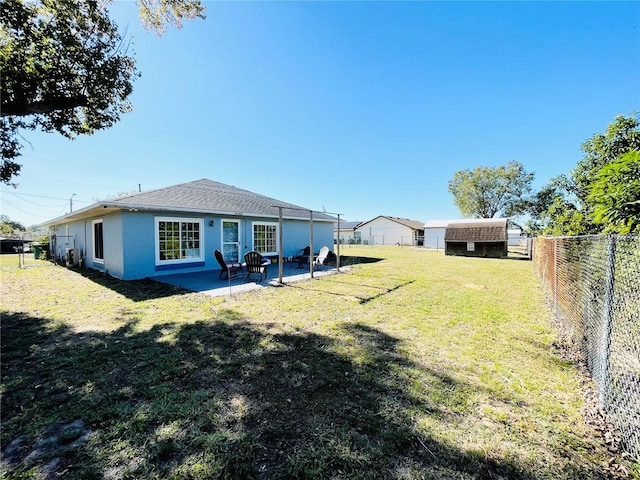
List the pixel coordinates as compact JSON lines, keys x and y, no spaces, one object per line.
{"x":567,"y":219}
{"x":620,"y":137}
{"x":66,"y":68}
{"x":615,"y":195}
{"x":156,"y":14}
{"x":9,"y":227}
{"x":582,"y":202}
{"x":539,"y":204}
{"x":489,"y":191}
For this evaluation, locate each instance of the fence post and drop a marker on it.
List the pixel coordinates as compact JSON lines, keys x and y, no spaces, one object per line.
{"x":311,"y":243}
{"x":607,"y":322}
{"x":555,"y":276}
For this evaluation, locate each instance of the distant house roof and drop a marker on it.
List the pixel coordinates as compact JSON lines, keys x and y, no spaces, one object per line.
{"x":200,"y":196}
{"x":413,"y":224}
{"x":490,"y":231}
{"x":346,"y":225}
{"x":444,"y":223}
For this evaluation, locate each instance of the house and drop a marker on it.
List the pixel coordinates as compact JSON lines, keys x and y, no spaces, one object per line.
{"x":177,"y":229}
{"x":347,"y":233}
{"x":434,"y":231}
{"x":384,"y":230}
{"x":477,"y":239}
{"x":517,"y":238}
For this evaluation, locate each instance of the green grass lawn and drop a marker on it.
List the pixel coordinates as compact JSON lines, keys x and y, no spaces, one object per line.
{"x":409,"y":365}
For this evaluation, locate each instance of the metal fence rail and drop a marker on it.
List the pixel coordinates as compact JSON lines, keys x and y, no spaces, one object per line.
{"x":593,"y":284}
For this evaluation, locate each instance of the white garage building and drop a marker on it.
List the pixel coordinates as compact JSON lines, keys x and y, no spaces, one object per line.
{"x":384,"y":230}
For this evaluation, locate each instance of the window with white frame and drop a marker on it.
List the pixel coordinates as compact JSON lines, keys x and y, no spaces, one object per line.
{"x":265,"y":238}
{"x":98,"y":241}
{"x":178,"y":240}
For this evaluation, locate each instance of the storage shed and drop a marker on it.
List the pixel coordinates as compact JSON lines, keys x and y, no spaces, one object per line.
{"x":486,"y":239}
{"x":434,"y":230}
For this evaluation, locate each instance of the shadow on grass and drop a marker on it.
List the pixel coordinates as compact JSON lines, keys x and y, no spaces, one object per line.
{"x":346,"y":260}
{"x":223,"y":398}
{"x":135,"y":290}
{"x":376,"y":291}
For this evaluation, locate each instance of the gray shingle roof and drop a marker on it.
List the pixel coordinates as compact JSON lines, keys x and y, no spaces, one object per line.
{"x":201,"y":197}
{"x":208,"y":196}
{"x":346,"y":225}
{"x":413,"y":224}
{"x":490,"y":231}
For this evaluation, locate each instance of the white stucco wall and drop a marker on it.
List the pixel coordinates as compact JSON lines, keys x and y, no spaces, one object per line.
{"x":346,"y":236}
{"x":382,"y":231}
{"x":434,"y":238}
{"x":130,"y":241}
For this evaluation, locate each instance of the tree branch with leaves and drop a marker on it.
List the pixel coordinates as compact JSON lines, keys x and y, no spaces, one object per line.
{"x":67,"y":69}
{"x":600,"y":195}
{"x":615,"y":195}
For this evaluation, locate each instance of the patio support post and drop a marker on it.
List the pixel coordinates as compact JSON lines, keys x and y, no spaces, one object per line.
{"x":280,"y":256}
{"x":338,"y":248}
{"x":311,"y":242}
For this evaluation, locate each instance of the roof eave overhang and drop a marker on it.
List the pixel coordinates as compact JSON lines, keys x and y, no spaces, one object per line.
{"x":106,"y":208}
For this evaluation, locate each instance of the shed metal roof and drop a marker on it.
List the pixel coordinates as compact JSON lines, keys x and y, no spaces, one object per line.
{"x":444,"y":223}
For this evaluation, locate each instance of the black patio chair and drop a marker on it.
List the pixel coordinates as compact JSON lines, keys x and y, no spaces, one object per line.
{"x":303,"y":259}
{"x":231,"y":269}
{"x":255,"y":263}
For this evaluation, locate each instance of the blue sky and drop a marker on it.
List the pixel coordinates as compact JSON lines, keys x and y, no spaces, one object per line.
{"x":360,"y":108}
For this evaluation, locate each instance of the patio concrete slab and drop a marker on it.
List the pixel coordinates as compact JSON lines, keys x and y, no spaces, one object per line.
{"x":208,"y":282}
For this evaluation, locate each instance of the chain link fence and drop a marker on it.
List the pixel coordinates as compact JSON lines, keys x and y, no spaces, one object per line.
{"x":593,"y":283}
